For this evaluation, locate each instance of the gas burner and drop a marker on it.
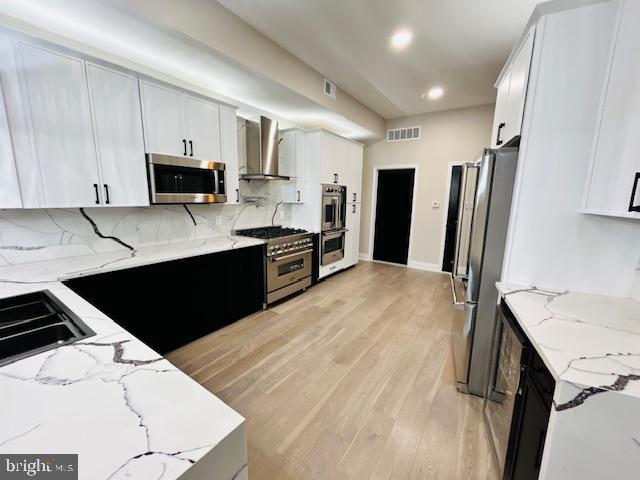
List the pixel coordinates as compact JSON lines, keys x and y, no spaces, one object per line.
{"x":268,"y":233}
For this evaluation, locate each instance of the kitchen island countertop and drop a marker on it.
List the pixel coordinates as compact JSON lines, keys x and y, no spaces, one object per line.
{"x":591,"y":345}
{"x":124,"y":409}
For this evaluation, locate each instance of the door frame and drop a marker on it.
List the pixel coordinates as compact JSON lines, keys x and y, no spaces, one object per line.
{"x":443,"y":234}
{"x":374,"y":206}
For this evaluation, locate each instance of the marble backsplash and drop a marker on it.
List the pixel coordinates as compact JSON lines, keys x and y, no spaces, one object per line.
{"x":32,"y":235}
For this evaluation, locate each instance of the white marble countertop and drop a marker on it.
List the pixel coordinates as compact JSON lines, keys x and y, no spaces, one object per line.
{"x":124,"y":409}
{"x":584,"y":339}
{"x":65,"y":268}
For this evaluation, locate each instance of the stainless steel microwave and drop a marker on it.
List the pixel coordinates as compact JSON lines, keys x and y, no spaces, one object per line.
{"x":185,"y":180}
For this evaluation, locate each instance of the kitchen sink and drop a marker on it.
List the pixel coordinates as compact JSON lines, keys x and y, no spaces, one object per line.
{"x":36,"y":322}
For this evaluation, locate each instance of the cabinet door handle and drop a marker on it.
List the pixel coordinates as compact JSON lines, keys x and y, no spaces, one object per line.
{"x":354,"y":209}
{"x":355,"y":196}
{"x":335,"y":178}
{"x":633,"y":205}
{"x":298,"y":195}
{"x":106,"y":191}
{"x":191,"y":146}
{"x":95,"y":187}
{"x":500,"y":127}
{"x":237,"y":196}
{"x":184,"y":143}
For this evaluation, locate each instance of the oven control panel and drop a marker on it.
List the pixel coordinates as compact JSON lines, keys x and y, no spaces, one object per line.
{"x":289,"y":246}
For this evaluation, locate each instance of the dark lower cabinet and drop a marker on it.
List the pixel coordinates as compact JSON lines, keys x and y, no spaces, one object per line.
{"x":533,"y":431}
{"x":169,"y":304}
{"x":518,"y":401}
{"x":531,"y":419}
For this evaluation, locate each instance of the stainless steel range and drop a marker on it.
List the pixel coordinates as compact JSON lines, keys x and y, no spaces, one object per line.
{"x":288,"y":259}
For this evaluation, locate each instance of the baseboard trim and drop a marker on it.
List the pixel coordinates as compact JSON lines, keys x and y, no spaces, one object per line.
{"x":364,"y":256}
{"x":429,"y":267}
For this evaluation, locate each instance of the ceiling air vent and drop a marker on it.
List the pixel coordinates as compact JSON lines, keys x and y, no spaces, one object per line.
{"x":401,"y":134}
{"x":330,"y":88}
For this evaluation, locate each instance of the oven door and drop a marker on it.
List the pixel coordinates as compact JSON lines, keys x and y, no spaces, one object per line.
{"x":332,"y":247}
{"x":185,"y":180}
{"x":284,"y":270}
{"x":330,"y":212}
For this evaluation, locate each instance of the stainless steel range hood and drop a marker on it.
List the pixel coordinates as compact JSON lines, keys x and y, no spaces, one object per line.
{"x":262,"y":150}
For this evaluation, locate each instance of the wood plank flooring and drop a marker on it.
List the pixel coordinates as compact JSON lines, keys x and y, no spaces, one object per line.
{"x":351,"y":380}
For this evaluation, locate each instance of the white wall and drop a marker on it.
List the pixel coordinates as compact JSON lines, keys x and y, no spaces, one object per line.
{"x":550,"y":243}
{"x":449,"y":136}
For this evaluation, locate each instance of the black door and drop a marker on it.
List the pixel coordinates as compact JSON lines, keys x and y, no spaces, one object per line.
{"x":393,"y":215}
{"x":452,"y":220}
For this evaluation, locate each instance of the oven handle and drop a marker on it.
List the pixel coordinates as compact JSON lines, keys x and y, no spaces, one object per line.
{"x":295,"y":254}
{"x":334,"y":233}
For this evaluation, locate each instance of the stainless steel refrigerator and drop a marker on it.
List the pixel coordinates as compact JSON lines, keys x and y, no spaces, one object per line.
{"x":473,"y":331}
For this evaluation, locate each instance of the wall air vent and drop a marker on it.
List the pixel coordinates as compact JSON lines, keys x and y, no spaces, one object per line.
{"x":401,"y":134}
{"x":330,"y":88}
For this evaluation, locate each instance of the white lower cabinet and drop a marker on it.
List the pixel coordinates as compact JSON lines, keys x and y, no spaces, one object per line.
{"x":352,"y":237}
{"x":60,"y":126}
{"x":115,"y":106}
{"x":229,"y":155}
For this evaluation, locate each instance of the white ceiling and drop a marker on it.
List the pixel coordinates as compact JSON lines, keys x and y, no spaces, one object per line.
{"x":460,"y":45}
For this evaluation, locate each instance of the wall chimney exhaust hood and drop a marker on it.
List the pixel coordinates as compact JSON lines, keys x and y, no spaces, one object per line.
{"x":262,"y":150}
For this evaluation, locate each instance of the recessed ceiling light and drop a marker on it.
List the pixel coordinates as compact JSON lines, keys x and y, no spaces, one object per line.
{"x":401,"y":39}
{"x":434,"y":93}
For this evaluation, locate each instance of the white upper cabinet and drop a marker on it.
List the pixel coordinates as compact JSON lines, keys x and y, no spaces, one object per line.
{"x":334,"y":165}
{"x":293,"y":163}
{"x":229,"y":145}
{"x":203,"y":129}
{"x":613,"y":183}
{"x":511,"y":95}
{"x":60,"y":124}
{"x":354,"y":165}
{"x":179,"y":124}
{"x":115,"y":104}
{"x":165,"y":120}
{"x":501,"y":109}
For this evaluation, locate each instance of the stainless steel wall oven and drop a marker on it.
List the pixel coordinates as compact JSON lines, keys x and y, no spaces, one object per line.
{"x":334,"y":208}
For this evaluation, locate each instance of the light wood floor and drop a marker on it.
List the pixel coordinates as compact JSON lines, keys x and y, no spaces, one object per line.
{"x":352,"y":379}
